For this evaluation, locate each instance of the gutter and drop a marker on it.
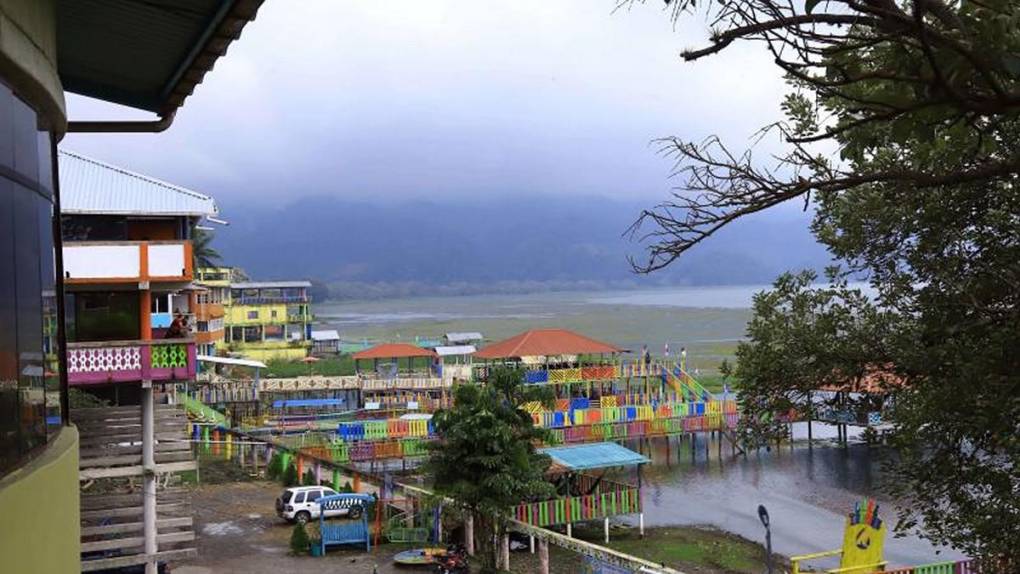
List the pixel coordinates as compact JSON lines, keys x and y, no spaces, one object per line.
{"x":155,"y":126}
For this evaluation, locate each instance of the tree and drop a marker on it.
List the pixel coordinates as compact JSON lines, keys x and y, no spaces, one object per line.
{"x":202,"y":251}
{"x":485,"y":458}
{"x":299,"y":541}
{"x":920,"y":101}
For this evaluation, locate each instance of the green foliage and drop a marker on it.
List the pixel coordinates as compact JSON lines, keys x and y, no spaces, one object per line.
{"x":485,"y":456}
{"x":290,"y":476}
{"x":79,"y":399}
{"x":202,"y":251}
{"x":274,"y":471}
{"x":309,"y":479}
{"x":329,"y":367}
{"x":299,"y":541}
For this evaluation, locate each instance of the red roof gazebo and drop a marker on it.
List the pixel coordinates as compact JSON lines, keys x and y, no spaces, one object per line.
{"x":395,"y":351}
{"x":545,"y":343}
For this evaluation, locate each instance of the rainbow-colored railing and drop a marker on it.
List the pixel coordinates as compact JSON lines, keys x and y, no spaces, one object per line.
{"x":608,"y":499}
{"x":958,"y":567}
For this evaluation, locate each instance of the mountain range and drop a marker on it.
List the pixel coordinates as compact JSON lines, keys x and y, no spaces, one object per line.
{"x":501,"y":244}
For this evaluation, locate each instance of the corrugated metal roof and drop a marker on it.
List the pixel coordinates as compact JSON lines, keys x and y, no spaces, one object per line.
{"x":327,"y":335}
{"x":147,"y":55}
{"x":230,"y":361}
{"x":545,"y":343}
{"x":89,"y":186}
{"x":270,"y":285}
{"x":455,"y":350}
{"x":463,"y":337}
{"x":393,"y":351}
{"x":597,"y":455}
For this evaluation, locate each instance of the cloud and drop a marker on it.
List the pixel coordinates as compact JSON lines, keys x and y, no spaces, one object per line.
{"x":390,"y":100}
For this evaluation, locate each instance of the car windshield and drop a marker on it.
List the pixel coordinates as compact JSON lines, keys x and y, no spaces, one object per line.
{"x":286,"y":496}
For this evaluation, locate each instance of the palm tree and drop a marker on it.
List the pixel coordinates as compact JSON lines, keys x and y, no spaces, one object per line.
{"x":202,"y":252}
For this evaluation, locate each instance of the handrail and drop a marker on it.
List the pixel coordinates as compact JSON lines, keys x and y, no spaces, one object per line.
{"x":128,"y":343}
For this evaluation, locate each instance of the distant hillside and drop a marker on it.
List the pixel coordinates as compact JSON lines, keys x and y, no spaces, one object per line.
{"x":531,"y":243}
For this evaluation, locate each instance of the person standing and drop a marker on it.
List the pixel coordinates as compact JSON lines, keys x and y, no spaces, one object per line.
{"x":683,"y":359}
{"x":646,"y":357}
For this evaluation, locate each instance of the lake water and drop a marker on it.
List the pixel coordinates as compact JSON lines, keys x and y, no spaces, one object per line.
{"x":806,"y":491}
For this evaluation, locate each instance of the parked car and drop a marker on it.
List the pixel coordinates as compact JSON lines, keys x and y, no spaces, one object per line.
{"x":300,"y":504}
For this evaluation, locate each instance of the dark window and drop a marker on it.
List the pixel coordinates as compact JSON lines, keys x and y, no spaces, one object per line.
{"x":110,"y":316}
{"x":299,"y":498}
{"x":253,"y":314}
{"x":30,"y":390}
{"x":314,"y":495}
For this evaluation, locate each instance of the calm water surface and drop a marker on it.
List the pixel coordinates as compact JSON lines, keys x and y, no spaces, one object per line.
{"x":806,"y":491}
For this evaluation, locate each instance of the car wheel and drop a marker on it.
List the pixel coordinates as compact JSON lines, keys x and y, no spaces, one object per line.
{"x":355,"y":512}
{"x":302,"y":517}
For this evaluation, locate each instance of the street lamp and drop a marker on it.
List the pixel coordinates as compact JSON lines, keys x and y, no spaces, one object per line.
{"x":763,"y":515}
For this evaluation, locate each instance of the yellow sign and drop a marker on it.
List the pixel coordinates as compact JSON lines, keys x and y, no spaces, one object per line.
{"x":863,"y":539}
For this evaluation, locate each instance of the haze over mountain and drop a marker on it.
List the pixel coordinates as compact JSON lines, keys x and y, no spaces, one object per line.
{"x":450,"y":246}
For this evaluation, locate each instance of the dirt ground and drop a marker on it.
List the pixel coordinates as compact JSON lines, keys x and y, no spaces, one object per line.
{"x":238,"y":531}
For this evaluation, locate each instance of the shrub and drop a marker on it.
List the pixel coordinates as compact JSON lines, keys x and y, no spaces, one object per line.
{"x":310,"y":479}
{"x":275,"y":469}
{"x":290,"y":476}
{"x":299,"y":541}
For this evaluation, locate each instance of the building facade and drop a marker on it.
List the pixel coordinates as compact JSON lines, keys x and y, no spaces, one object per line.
{"x":210,"y":309}
{"x":269,"y":320}
{"x":47,"y":46}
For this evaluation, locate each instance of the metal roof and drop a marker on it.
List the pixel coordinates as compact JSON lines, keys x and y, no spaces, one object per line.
{"x":270,"y":285}
{"x":147,"y":55}
{"x":231,"y":361}
{"x":90,"y":186}
{"x":596,"y":455}
{"x":455,"y":350}
{"x":463,"y":337}
{"x":327,"y":335}
{"x":545,"y":343}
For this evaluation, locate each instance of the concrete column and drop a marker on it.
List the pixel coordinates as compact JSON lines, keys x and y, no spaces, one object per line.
{"x":469,"y":534}
{"x":605,"y":528}
{"x":531,"y":543}
{"x":149,"y":475}
{"x":641,"y":524}
{"x":504,"y":550}
{"x":570,"y":530}
{"x":543,"y":556}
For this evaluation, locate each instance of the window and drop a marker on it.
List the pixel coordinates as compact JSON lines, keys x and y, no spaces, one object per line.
{"x":314,"y":495}
{"x":253,"y":314}
{"x":28,"y":289}
{"x":273,"y":313}
{"x":111,"y":316}
{"x":299,"y":498}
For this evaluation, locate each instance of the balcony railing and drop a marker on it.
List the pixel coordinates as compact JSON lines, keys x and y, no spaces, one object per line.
{"x":127,"y":261}
{"x":128,"y":361}
{"x":266,"y":299}
{"x":206,"y":311}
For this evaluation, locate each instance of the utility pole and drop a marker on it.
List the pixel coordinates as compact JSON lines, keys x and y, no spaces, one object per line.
{"x":763,"y":515}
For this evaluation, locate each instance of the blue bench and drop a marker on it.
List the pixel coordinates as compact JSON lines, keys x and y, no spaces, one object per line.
{"x":346,"y":531}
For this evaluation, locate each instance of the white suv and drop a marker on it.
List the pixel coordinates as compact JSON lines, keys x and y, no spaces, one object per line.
{"x":300,"y":504}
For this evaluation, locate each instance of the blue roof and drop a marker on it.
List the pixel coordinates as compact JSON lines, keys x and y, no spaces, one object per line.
{"x":597,"y":455}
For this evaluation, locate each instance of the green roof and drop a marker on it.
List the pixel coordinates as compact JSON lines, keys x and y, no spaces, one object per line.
{"x":146,"y":55}
{"x":591,"y":456}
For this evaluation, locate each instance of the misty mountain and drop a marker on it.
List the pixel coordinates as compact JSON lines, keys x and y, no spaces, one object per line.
{"x":499,"y":244}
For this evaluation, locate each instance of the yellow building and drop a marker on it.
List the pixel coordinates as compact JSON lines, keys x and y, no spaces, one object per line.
{"x":269,"y":320}
{"x":210,"y":308}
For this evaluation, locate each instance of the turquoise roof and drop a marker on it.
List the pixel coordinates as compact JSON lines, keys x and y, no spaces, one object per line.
{"x":597,"y":455}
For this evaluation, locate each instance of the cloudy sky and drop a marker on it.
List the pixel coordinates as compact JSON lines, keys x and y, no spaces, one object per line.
{"x":390,"y":100}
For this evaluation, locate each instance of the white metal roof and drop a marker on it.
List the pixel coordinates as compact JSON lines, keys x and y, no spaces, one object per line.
{"x":463,"y":337}
{"x":455,"y":350}
{"x":270,"y":284}
{"x":230,"y":361}
{"x":326,"y":335}
{"x":89,"y":186}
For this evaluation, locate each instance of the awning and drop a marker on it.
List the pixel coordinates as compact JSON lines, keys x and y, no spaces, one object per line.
{"x":230,"y":361}
{"x":455,"y":350}
{"x":591,"y":456}
{"x":147,"y":55}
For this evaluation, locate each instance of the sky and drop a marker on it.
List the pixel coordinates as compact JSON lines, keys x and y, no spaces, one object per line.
{"x":392,"y":100}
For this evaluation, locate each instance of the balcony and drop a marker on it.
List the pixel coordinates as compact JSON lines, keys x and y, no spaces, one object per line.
{"x":207,"y":311}
{"x":129,"y":361}
{"x":100,"y":262}
{"x":268,"y":299}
